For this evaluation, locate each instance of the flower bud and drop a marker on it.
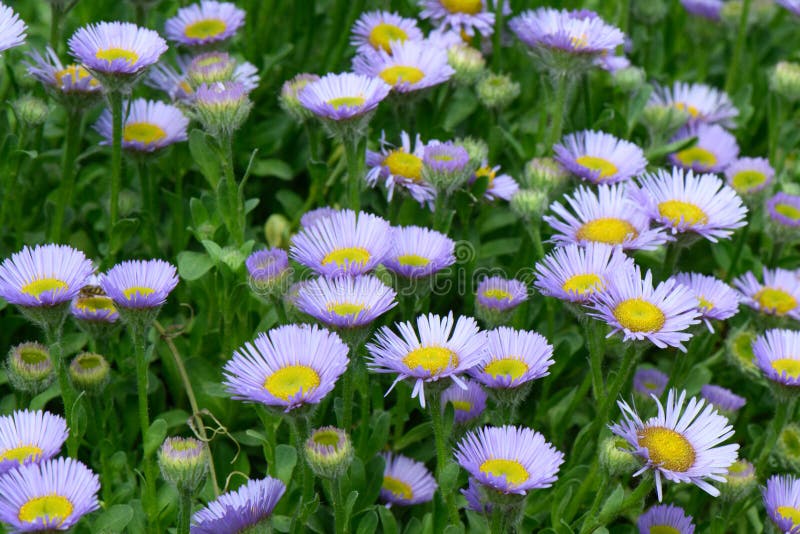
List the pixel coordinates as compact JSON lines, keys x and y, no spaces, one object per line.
{"x":30,"y":110}
{"x":740,"y":351}
{"x":617,"y":458}
{"x":628,"y":79}
{"x":741,"y":481}
{"x":497,"y":90}
{"x":222,"y":107}
{"x":90,"y":372}
{"x":329,"y":452}
{"x":785,"y":80}
{"x":184,"y":462}
{"x":288,"y":98}
{"x":789,"y":446}
{"x":528,"y":204}
{"x":545,"y":173}
{"x":276,"y":230}
{"x":477,"y":149}
{"x":29,"y":367}
{"x":650,"y":12}
{"x":468,"y":63}
{"x":664,"y":119}
{"x":211,"y":68}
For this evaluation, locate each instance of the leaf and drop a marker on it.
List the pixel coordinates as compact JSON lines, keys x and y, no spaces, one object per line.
{"x":290,"y":201}
{"x":285,"y":460}
{"x":193,"y":265}
{"x":388,"y":522}
{"x":462,"y":105}
{"x":122,"y":231}
{"x":418,"y":433}
{"x":155,"y":436}
{"x":368,"y":523}
{"x":205,"y":157}
{"x":613,"y":502}
{"x":449,"y":477}
{"x":499,"y":247}
{"x":272,"y":167}
{"x":670,"y":148}
{"x":113,"y":520}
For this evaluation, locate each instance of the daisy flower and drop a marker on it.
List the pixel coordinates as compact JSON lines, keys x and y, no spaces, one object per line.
{"x":649,"y":381}
{"x":681,"y":202}
{"x":500,"y":186}
{"x":722,"y":399}
{"x":400,"y":167}
{"x":460,"y":16}
{"x":447,"y":166}
{"x":345,"y":243}
{"x":702,"y":103}
{"x":93,"y":305}
{"x":509,"y":459}
{"x":377,"y":30}
{"x":140,"y":284}
{"x":340,"y":97}
{"x":346,"y":302}
{"x":181,"y":84}
{"x":409,"y":66}
{"x":116,"y":48}
{"x":30,"y":437}
{"x":777,"y":354}
{"x":599,"y":157}
{"x":608,"y":216}
{"x":237,"y":511}
{"x":267,"y":267}
{"x":501,"y":294}
{"x":288,"y":367}
{"x":781,"y":498}
{"x":512,"y":358}
{"x":749,"y":175}
{"x":716,"y":148}
{"x":574,"y":273}
{"x":779,"y":294}
{"x":204,"y":23}
{"x":12,"y":28}
{"x":717,"y":300}
{"x":784,"y":209}
{"x":66,"y":79}
{"x":664,"y":518}
{"x":680,"y":445}
{"x":418,"y":252}
{"x":406,"y":481}
{"x":310,"y":218}
{"x":149,"y":126}
{"x":793,"y":6}
{"x":444,"y":348}
{"x":468,"y":404}
{"x":660,"y":315}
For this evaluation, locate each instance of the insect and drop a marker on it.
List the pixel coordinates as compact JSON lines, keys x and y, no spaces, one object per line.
{"x":88,"y":291}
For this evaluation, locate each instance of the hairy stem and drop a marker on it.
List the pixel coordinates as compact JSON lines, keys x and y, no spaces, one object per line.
{"x":72,"y":141}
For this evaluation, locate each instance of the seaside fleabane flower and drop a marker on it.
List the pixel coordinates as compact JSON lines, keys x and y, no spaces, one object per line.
{"x":149,"y":126}
{"x":632,"y":306}
{"x":345,"y":302}
{"x":681,"y":443}
{"x":749,"y":175}
{"x":181,"y":83}
{"x":499,"y":186}
{"x":49,"y":496}
{"x":406,"y":481}
{"x":496,"y":298}
{"x":30,"y":437}
{"x":139,"y":284}
{"x":781,"y":498}
{"x":784,"y":209}
{"x":418,"y":252}
{"x":715,"y":149}
{"x":777,"y":354}
{"x":600,"y":157}
{"x":513,"y":358}
{"x":377,"y":30}
{"x":116,"y":49}
{"x":792,"y":6}
{"x":724,"y":400}
{"x":509,"y":459}
{"x":12,"y":28}
{"x":341,"y":97}
{"x":716,"y":299}
{"x":287,"y":367}
{"x":410,"y":66}
{"x":439,"y":348}
{"x":310,"y":218}
{"x":468,"y":404}
{"x":665,"y":519}
{"x":460,"y":16}
{"x":608,"y":216}
{"x":237,"y":511}
{"x":62,"y":79}
{"x":702,"y":103}
{"x":709,"y":9}
{"x":649,"y":381}
{"x":778,"y":295}
{"x":93,"y":305}
{"x":681,"y":201}
{"x":204,"y":23}
{"x":400,"y":167}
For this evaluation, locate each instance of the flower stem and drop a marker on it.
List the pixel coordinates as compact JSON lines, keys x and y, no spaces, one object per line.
{"x":442,"y":458}
{"x":55,"y":25}
{"x":149,"y":215}
{"x":277,"y":303}
{"x":594,"y":343}
{"x":355,"y":154}
{"x":115,"y":99}
{"x":497,"y":44}
{"x":300,"y":427}
{"x":234,"y":205}
{"x":625,"y":369}
{"x":184,"y":512}
{"x":72,"y":141}
{"x":737,"y":253}
{"x":738,"y":48}
{"x":783,"y":410}
{"x":340,"y":522}
{"x":536,"y":238}
{"x":559,"y":110}
{"x":347,"y":394}
{"x":139,"y":338}
{"x":53,"y":336}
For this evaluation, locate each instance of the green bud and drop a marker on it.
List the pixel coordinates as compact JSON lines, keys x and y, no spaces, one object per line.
{"x":789,"y":446}
{"x":29,"y":367}
{"x":184,"y":463}
{"x":785,"y":80}
{"x":664,"y":118}
{"x":497,"y":90}
{"x":276,"y":231}
{"x":741,"y":481}
{"x":288,"y":97}
{"x":529,"y":204}
{"x":90,"y":372}
{"x":477,"y":149}
{"x":468,"y":63}
{"x":628,"y":79}
{"x":30,"y":110}
{"x":740,"y":351}
{"x":545,"y":173}
{"x":329,"y":452}
{"x":617,"y":458}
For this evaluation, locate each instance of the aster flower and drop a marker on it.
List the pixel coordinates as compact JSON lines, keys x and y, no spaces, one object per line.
{"x":418,"y":252}
{"x":377,"y":30}
{"x":665,"y":518}
{"x":446,"y":165}
{"x":181,"y":86}
{"x":501,"y":294}
{"x":406,"y":481}
{"x":139,"y":283}
{"x":608,"y":216}
{"x":649,"y":381}
{"x":749,"y":175}
{"x":45,"y":275}
{"x":781,"y":498}
{"x":116,"y":48}
{"x":784,"y":209}
{"x":53,"y":495}
{"x":409,"y":66}
{"x":340,"y":97}
{"x":443,"y":348}
{"x":468,"y":404}
{"x":288,"y":98}
{"x":222,"y":107}
{"x":93,"y":305}
{"x":599,"y":157}
{"x":12,"y":28}
{"x":150,"y":126}
{"x":288,"y":367}
{"x":59,"y":78}
{"x":703,"y":103}
{"x":30,"y":437}
{"x":717,"y":300}
{"x":513,"y":358}
{"x":237,"y":511}
{"x":660,"y":315}
{"x":778,"y":295}
{"x":722,"y":399}
{"x":346,"y":302}
{"x":400,"y":167}
{"x":204,"y":23}
{"x":715,"y":149}
{"x":792,"y":6}
{"x":460,"y":16}
{"x":509,"y":459}
{"x":709,"y":9}
{"x":184,"y":463}
{"x":345,"y":243}
{"x":310,"y":218}
{"x":500,"y":186}
{"x":329,"y":452}
{"x":684,"y":202}
{"x":268,"y":269}
{"x":574,"y":273}
{"x":777,"y":355}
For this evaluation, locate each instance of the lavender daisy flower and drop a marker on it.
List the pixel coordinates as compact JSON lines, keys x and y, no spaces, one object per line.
{"x":660,"y":315}
{"x":703,"y":103}
{"x":181,"y":87}
{"x":460,"y":16}
{"x":444,"y":348}
{"x":778,"y":295}
{"x":513,"y":358}
{"x":237,"y":511}
{"x":310,"y":218}
{"x":93,"y":305}
{"x":649,"y":381}
{"x":116,"y":48}
{"x":204,"y":23}
{"x":346,"y":302}
{"x":345,"y":243}
{"x":681,"y":202}
{"x":410,"y":66}
{"x":45,"y":275}
{"x":793,"y":6}
{"x":708,"y":9}
{"x":722,"y":399}
{"x":468,"y":404}
{"x":574,"y":273}
{"x":680,"y":445}
{"x":406,"y":481}
{"x":288,"y":367}
{"x":400,"y":167}
{"x":749,"y":175}
{"x":499,"y":186}
{"x":12,"y":28}
{"x":502,"y":294}
{"x":599,"y":157}
{"x":30,"y":437}
{"x":665,"y":518}
{"x":377,"y":30}
{"x":418,"y":252}
{"x":782,"y":500}
{"x":717,"y":300}
{"x":608,"y":216}
{"x":715,"y":149}
{"x":784,"y":209}
{"x":509,"y":459}
{"x":139,"y":284}
{"x":53,"y":495}
{"x":777,"y":355}
{"x":150,"y":126}
{"x":222,"y":107}
{"x":446,"y":166}
{"x":268,"y":268}
{"x":339,"y":97}
{"x":54,"y":75}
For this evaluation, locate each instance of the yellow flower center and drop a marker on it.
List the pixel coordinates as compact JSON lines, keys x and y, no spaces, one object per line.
{"x":45,"y":507}
{"x":432,"y":359}
{"x":747,"y":180}
{"x":663,"y":529}
{"x":601,"y":165}
{"x":608,"y":230}
{"x":383,"y":34}
{"x":203,"y":29}
{"x":705,"y":304}
{"x":21,"y":453}
{"x":506,"y":367}
{"x":582,"y":284}
{"x":650,"y":386}
{"x":328,"y":438}
{"x":412,"y":260}
{"x":470,"y":7}
{"x":789,"y":366}
{"x":288,"y":381}
{"x":401,"y":163}
{"x":37,"y":287}
{"x":667,"y":448}
{"x":638,"y":315}
{"x":514,"y":472}
{"x":461,"y":406}
{"x":488,"y":172}
{"x":344,"y":309}
{"x":775,"y":300}
{"x":789,"y":211}
{"x":789,"y":512}
{"x":688,"y":108}
{"x":347,"y":101}
{"x":113,"y":54}
{"x":402,"y":74}
{"x":579,"y":41}
{"x":678,"y":211}
{"x":142,"y":291}
{"x":76,"y":73}
{"x":498,"y":294}
{"x":696,"y":156}
{"x":397,"y":487}
{"x":347,"y":256}
{"x":146,"y":133}
{"x":95,"y":304}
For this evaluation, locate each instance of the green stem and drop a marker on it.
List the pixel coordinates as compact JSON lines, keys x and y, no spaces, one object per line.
{"x":72,"y":141}
{"x":625,"y":369}
{"x":783,"y":410}
{"x":139,"y":338}
{"x":115,"y":99}
{"x":671,"y":260}
{"x":68,"y":397}
{"x":606,"y":516}
{"x":442,"y":458}
{"x":340,"y":521}
{"x":559,"y":110}
{"x":497,"y":44}
{"x":184,"y":512}
{"x":355,"y":154}
{"x":347,"y":394}
{"x":277,"y":303}
{"x":737,"y":253}
{"x":535,"y":234}
{"x":235,"y":206}
{"x":148,"y":214}
{"x":600,"y":492}
{"x":55,"y":25}
{"x":736,"y":58}
{"x":594,"y":343}
{"x":300,"y":427}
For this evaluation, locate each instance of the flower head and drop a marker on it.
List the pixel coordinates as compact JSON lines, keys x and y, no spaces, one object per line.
{"x":400,"y":167}
{"x":340,"y":97}
{"x":29,"y":368}
{"x":716,"y":148}
{"x":346,"y":302}
{"x":447,"y":166}
{"x":139,"y":284}
{"x":782,"y":500}
{"x":468,"y":404}
{"x":513,"y":358}
{"x":784,"y":209}
{"x":499,"y":186}
{"x":267,"y":268}
{"x":777,"y":354}
{"x":377,"y":30}
{"x":716,"y":299}
{"x":649,"y":381}
{"x":12,"y":28}
{"x":310,"y":218}
{"x":222,"y":107}
{"x":467,"y":16}
{"x":184,"y":462}
{"x":409,"y":66}
{"x":30,"y":437}
{"x":702,"y":103}
{"x":90,"y":373}
{"x":204,"y":23}
{"x":149,"y":126}
{"x":62,"y":79}
{"x":502,"y":294}
{"x":749,"y":175}
{"x":116,"y":48}
{"x":418,"y":252}
{"x":778,"y":295}
{"x":600,"y":158}
{"x":665,"y":518}
{"x":93,"y":305}
{"x":236,"y":511}
{"x":406,"y":481}
{"x":722,"y":399}
{"x":329,"y":451}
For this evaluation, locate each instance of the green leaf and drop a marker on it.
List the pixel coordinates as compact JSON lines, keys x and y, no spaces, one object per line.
{"x":155,"y":436}
{"x":205,"y":157}
{"x":613,"y":502}
{"x":379,"y":435}
{"x":122,"y":231}
{"x":388,"y":522}
{"x":670,"y":148}
{"x":214,"y":250}
{"x":285,"y":460}
{"x":416,"y":434}
{"x":368,"y":523}
{"x":449,"y":478}
{"x":272,"y":167}
{"x":499,"y":247}
{"x":41,"y":400}
{"x":462,"y":105}
{"x":113,"y":520}
{"x":193,"y":265}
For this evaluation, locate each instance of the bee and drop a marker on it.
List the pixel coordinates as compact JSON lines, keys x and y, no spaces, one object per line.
{"x":89,"y":291}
